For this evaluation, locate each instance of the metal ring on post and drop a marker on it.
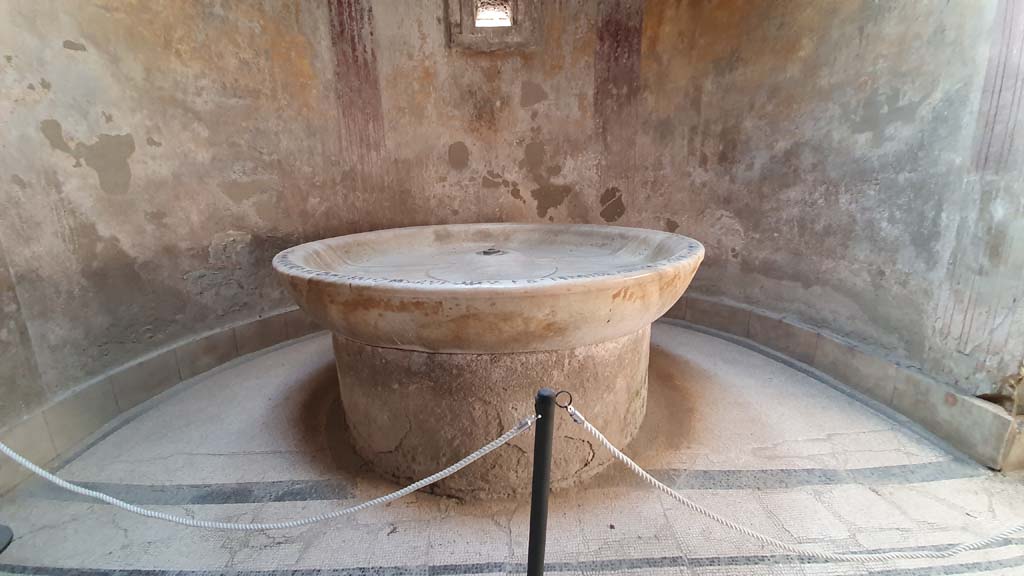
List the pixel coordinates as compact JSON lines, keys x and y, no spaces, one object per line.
{"x":565,"y":405}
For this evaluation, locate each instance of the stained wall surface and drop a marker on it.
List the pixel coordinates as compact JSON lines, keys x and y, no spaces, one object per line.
{"x":852,"y":164}
{"x":154,"y":157}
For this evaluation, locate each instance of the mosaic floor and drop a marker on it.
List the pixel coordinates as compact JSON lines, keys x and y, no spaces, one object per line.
{"x":261,"y":439}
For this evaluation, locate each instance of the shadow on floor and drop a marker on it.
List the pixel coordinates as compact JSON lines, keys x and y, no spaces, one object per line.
{"x":322,"y":426}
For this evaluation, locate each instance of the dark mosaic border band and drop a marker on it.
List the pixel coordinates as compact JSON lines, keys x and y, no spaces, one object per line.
{"x":584,"y":567}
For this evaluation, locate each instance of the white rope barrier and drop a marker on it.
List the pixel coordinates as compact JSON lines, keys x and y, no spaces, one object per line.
{"x":840,"y":557}
{"x":519,"y":428}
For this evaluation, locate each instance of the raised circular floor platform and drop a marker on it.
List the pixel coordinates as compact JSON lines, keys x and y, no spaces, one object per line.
{"x":750,"y":438}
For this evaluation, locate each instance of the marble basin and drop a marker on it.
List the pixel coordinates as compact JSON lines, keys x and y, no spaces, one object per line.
{"x":443,"y":334}
{"x":477,"y":288}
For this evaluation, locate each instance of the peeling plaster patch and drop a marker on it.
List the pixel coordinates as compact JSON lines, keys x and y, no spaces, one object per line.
{"x":612,"y":206}
{"x":729,"y":235}
{"x":878,"y":111}
{"x":671,"y":225}
{"x":239,"y":192}
{"x":76,"y":46}
{"x":549,"y":196}
{"x":486,"y":105}
{"x":458,"y":155}
{"x":150,"y":141}
{"x":54,"y":134}
{"x":495,"y":180}
{"x":45,"y":84}
{"x":533,"y":156}
{"x":491,"y":180}
{"x":247,"y":180}
{"x":110,"y":273}
{"x":577,"y":209}
{"x":728,"y":154}
{"x":229,"y":248}
{"x":108,"y":156}
{"x":531,"y":93}
{"x":157,"y":217}
{"x":227,"y":278}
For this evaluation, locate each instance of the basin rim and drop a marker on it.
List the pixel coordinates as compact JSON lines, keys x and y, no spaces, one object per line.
{"x":690,"y":253}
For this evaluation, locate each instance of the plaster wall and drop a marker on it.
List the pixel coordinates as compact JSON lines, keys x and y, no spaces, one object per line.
{"x":851,"y":164}
{"x":154,"y":157}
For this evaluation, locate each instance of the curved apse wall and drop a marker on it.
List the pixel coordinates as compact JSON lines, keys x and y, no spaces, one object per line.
{"x":852,"y":164}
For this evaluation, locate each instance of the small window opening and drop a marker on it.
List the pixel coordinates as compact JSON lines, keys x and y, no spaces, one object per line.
{"x":493,"y":13}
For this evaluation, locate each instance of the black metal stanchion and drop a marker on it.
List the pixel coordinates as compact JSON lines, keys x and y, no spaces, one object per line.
{"x":545,"y":429}
{"x":5,"y":537}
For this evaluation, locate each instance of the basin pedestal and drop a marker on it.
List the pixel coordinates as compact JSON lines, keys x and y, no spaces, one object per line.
{"x":413,"y":413}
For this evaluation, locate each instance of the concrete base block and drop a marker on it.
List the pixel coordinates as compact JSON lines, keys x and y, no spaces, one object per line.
{"x":413,"y":413}
{"x":31,"y":439}
{"x":206,"y":353}
{"x":980,"y":429}
{"x":77,"y":416}
{"x":1013,"y":460}
{"x":866,"y":373}
{"x":794,"y":341}
{"x":718,"y":315}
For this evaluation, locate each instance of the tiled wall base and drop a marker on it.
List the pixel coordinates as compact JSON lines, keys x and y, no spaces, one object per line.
{"x":52,"y":432}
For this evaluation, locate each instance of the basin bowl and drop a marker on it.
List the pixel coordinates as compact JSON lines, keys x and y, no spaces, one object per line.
{"x":483,"y":288}
{"x":444,"y":334}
